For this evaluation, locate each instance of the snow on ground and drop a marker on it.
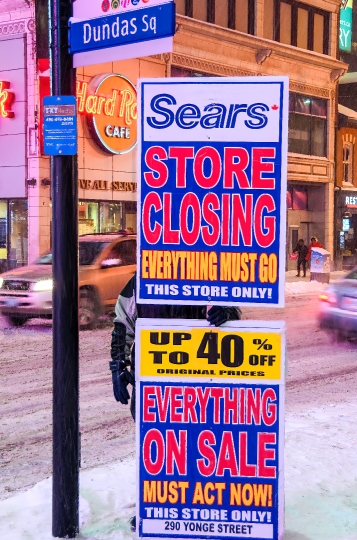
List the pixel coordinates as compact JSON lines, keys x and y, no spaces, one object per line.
{"x":320,"y":487}
{"x":320,"y":455}
{"x":303,"y":286}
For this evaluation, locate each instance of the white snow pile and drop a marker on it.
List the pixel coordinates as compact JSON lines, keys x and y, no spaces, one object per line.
{"x":304,"y":287}
{"x":320,"y":487}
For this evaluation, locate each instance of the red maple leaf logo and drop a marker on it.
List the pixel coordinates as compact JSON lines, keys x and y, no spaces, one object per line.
{"x":275,"y":107}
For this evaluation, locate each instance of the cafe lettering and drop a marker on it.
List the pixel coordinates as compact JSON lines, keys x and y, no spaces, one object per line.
{"x":109,"y":103}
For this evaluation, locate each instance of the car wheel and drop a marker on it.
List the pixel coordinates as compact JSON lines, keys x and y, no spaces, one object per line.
{"x":87,"y":309}
{"x":16,"y":320}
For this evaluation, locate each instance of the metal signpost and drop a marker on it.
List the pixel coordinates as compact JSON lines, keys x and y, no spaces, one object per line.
{"x":60,"y":125}
{"x":61,"y":145}
{"x":212,"y":190}
{"x":107,"y":31}
{"x":99,"y":31}
{"x":210,"y":429}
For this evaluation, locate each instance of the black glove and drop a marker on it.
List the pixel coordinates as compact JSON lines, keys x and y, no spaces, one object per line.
{"x":120,"y":378}
{"x":218,"y":315}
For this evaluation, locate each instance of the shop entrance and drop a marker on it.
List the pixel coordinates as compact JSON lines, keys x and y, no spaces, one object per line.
{"x":348,"y":241}
{"x":106,"y":217}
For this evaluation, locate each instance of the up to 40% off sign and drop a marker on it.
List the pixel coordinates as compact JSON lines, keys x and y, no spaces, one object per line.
{"x":211,"y":353}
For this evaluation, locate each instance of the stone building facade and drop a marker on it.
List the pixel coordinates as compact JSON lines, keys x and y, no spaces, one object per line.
{"x":226,"y":38}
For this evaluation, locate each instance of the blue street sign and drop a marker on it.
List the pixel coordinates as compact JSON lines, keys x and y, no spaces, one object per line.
{"x":60,"y":126}
{"x":146,"y":24}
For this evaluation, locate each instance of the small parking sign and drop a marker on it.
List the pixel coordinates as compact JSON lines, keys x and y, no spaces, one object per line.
{"x":60,"y":125}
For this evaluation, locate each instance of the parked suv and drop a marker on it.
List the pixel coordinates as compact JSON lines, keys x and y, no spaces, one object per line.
{"x":106,"y":263}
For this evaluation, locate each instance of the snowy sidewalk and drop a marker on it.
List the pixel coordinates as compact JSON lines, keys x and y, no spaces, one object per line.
{"x":320,"y":492}
{"x":303,"y":286}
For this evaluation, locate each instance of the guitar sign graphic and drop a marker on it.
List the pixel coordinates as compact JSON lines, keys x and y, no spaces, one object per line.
{"x":6,"y":100}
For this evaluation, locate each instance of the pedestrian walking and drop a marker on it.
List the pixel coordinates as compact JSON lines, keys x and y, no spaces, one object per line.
{"x":302,"y":251}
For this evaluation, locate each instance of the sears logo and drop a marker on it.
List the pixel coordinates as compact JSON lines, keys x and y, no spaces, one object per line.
{"x":213,"y":115}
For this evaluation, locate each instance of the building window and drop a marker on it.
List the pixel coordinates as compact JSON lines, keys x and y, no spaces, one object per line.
{"x":296,"y":198}
{"x":182,"y":72}
{"x":235,"y":14}
{"x":347,"y":161}
{"x":268,"y":19}
{"x":298,"y":24}
{"x":180,"y":7}
{"x":307,"y":125}
{"x":111,"y":217}
{"x":13,"y":234}
{"x":88,"y":217}
{"x":106,"y":217}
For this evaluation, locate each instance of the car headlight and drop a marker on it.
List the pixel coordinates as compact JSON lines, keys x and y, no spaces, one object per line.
{"x":1,"y":282}
{"x":329,"y":296}
{"x":43,"y":285}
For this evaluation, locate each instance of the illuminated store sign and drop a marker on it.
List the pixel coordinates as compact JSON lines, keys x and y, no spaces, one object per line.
{"x":6,"y":100}
{"x":351,"y":202}
{"x":109,"y":103}
{"x":104,"y":185}
{"x":346,"y":25}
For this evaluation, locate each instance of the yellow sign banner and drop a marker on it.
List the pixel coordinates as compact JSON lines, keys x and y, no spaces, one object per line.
{"x":223,"y":353}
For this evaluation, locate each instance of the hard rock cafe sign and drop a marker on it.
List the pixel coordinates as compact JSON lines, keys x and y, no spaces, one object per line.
{"x":110,"y":106}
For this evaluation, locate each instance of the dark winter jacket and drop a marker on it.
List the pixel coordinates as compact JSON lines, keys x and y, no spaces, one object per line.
{"x":127,"y":311}
{"x":302,"y":252}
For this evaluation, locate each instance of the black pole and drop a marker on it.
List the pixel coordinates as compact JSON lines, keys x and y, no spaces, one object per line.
{"x":65,"y":491}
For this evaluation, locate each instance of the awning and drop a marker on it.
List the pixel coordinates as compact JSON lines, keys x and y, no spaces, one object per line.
{"x":348,"y":78}
{"x":347,"y":112}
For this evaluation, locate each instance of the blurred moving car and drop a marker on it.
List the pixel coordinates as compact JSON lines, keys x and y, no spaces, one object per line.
{"x":338,"y":306}
{"x":106,"y":263}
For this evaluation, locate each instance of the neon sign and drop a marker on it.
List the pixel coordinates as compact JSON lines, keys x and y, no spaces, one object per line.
{"x":110,"y":106}
{"x":6,"y":100}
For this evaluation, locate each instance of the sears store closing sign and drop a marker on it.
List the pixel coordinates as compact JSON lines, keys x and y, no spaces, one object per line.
{"x":212,"y":211}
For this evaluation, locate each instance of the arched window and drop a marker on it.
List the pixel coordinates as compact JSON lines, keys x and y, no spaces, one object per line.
{"x":347,"y":163}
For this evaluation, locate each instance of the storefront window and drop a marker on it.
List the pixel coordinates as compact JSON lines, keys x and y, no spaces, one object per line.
{"x":18,"y":233}
{"x":88,"y":217}
{"x":111,"y":217}
{"x":130,"y":217}
{"x":106,"y":217}
{"x":13,"y":234}
{"x":3,"y":236}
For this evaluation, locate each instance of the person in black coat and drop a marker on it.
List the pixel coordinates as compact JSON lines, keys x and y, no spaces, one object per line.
{"x":302,"y":251}
{"x":123,"y":335}
{"x":122,"y":349}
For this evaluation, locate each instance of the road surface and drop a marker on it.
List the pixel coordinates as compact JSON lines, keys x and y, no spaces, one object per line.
{"x":319,"y":373}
